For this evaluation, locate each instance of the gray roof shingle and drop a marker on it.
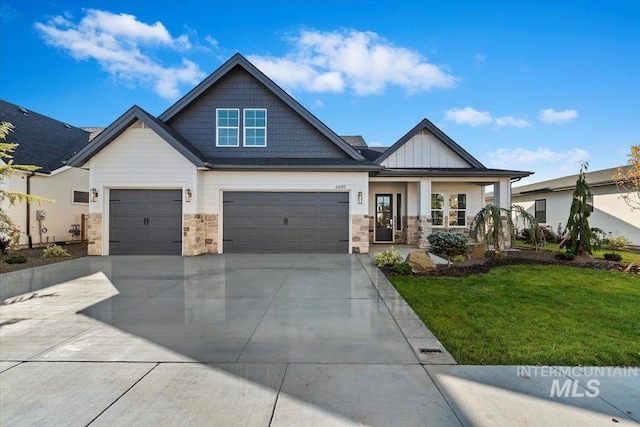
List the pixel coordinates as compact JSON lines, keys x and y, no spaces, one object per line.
{"x":44,"y":141}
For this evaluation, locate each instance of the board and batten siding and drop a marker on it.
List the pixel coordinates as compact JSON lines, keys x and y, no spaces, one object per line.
{"x":139,"y":158}
{"x":424,"y":150}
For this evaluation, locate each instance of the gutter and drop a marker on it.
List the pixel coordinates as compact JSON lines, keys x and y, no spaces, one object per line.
{"x":32,"y":174}
{"x":301,"y":168}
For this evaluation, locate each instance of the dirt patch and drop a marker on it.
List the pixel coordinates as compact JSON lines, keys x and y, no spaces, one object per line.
{"x":34,"y":257}
{"x":477,"y":266}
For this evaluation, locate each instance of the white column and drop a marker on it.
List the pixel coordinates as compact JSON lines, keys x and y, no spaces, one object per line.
{"x":424,"y":197}
{"x":502,"y":193}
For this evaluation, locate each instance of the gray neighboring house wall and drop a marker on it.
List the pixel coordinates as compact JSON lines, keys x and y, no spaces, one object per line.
{"x":256,"y":171}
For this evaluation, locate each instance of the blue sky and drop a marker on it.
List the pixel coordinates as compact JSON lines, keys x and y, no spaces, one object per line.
{"x":534,"y":86}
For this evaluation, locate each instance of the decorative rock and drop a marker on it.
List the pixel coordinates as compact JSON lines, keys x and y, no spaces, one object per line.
{"x":478,"y":251}
{"x":420,"y":261}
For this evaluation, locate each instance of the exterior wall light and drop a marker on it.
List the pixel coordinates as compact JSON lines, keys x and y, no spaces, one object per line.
{"x":359,"y":197}
{"x":187,"y":195}
{"x":94,"y":195}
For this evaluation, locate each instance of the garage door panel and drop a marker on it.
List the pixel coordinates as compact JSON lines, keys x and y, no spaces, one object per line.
{"x":145,"y":222}
{"x":285,"y":222}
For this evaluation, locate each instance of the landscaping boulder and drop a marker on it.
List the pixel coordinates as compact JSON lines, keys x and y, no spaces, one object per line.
{"x":420,"y":261}
{"x":478,"y":251}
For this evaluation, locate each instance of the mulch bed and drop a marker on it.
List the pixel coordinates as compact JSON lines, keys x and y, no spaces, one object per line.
{"x":518,"y":257}
{"x":34,"y":257}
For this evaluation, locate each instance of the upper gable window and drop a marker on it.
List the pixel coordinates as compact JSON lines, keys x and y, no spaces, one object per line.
{"x":255,"y":127}
{"x":228,"y":127}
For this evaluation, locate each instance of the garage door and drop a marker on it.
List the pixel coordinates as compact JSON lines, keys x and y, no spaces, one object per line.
{"x":145,"y":222}
{"x":264,"y":222}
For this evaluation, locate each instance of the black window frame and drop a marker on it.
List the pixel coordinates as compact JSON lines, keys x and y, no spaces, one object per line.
{"x":540,"y":214}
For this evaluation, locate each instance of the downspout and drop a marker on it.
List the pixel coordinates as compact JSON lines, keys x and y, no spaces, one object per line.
{"x":29,"y":210}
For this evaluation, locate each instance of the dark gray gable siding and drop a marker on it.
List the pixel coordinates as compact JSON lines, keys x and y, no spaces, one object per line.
{"x":289,"y":135}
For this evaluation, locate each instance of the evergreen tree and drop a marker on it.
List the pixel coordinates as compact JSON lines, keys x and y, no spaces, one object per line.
{"x":580,"y":233}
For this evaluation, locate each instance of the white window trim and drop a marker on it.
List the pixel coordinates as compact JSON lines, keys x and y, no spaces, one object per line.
{"x":443,"y":210}
{"x":245,"y":127}
{"x":73,"y":202}
{"x":227,"y":127}
{"x":446,"y":212}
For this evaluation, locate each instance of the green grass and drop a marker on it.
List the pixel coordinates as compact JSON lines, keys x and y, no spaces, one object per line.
{"x":548,"y":315}
{"x":626,"y":255}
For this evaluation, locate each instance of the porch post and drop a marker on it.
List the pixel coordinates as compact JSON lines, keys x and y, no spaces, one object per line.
{"x":502,"y":198}
{"x":424,"y":212}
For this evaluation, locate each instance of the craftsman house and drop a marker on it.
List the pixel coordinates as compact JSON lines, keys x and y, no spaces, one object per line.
{"x":237,"y":165}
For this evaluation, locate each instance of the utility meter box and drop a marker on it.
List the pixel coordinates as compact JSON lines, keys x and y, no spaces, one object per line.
{"x":40,"y":214}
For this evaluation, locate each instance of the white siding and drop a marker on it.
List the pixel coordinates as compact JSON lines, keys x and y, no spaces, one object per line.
{"x":424,"y":150}
{"x":610,"y":213}
{"x":59,"y":215}
{"x":139,"y":158}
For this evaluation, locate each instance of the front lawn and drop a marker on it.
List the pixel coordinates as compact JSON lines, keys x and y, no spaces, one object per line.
{"x":531,"y":314}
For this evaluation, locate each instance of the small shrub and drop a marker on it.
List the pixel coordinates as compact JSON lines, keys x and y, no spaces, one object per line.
{"x":458,"y":258}
{"x":617,"y":243}
{"x":448,"y":244}
{"x":387,"y":258}
{"x":565,"y":256}
{"x":54,"y":252}
{"x":550,"y":236}
{"x":402,"y":268}
{"x":16,"y":259}
{"x":612,"y":256}
{"x":5,"y":243}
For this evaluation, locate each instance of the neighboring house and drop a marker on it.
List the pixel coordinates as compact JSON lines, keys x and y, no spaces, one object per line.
{"x":46,"y":143}
{"x":237,"y":165}
{"x":550,"y":202}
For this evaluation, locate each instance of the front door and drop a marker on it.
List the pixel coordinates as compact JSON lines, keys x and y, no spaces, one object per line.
{"x":384,"y":218}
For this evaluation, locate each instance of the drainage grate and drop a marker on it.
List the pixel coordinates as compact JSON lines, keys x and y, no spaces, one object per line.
{"x":430,"y":350}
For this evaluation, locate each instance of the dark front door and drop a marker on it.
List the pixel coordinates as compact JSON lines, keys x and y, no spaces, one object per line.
{"x":279,"y":222}
{"x":145,"y":222}
{"x":384,"y":218}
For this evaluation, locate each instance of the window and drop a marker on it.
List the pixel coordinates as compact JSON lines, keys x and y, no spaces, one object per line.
{"x":80,"y":197}
{"x":227,"y":127}
{"x":255,"y":127}
{"x":590,"y":202}
{"x":541,"y":211}
{"x":437,"y":209}
{"x":457,"y":210}
{"x":399,"y":212}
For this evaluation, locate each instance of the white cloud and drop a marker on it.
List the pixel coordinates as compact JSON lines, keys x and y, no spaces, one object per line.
{"x":318,"y":103}
{"x":363,"y":62}
{"x":468,"y":116}
{"x":480,"y":58}
{"x":213,"y":42}
{"x":508,"y":158}
{"x":551,"y":116}
{"x":123,"y":46}
{"x":472,"y":117}
{"x":510,"y":121}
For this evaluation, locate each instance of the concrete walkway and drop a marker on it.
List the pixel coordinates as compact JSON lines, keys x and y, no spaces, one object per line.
{"x":259,"y":340}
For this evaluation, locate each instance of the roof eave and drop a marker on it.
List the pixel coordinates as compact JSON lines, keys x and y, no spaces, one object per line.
{"x":118,"y":127}
{"x":294,"y":168}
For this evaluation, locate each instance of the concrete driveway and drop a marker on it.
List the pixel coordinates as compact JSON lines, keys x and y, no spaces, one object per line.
{"x":249,"y":340}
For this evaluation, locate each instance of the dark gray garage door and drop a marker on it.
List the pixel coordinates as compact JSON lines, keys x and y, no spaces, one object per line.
{"x":145,"y":222}
{"x":264,"y":222}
